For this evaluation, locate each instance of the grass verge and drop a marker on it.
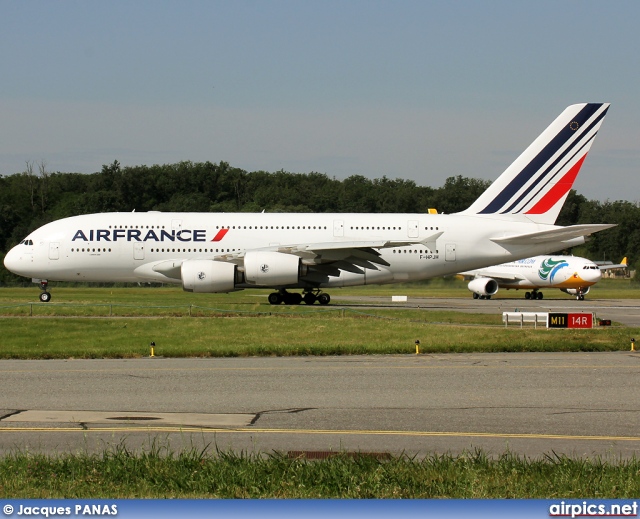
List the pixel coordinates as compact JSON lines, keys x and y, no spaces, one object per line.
{"x":122,"y":322}
{"x":27,"y":338}
{"x":119,"y":473}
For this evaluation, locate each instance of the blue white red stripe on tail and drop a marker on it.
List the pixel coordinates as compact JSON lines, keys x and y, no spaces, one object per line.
{"x":538,"y":181}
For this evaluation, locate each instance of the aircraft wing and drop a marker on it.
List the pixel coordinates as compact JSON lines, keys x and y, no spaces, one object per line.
{"x":354,"y":256}
{"x":500,"y":277}
{"x":611,"y":266}
{"x":560,"y":234}
{"x":329,"y":258}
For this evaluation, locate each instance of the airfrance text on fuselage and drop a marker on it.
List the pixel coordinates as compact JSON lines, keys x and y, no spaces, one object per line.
{"x":140,"y":235}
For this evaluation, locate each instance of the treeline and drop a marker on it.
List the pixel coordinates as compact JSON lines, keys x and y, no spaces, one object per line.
{"x":36,"y":196}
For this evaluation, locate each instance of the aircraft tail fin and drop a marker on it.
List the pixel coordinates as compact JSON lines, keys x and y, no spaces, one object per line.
{"x":537,"y":183}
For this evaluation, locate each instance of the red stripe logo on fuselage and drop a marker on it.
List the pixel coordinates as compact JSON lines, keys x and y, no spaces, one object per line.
{"x":220,"y":234}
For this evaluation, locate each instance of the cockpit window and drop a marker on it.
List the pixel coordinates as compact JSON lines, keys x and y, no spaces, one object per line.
{"x":27,"y":242}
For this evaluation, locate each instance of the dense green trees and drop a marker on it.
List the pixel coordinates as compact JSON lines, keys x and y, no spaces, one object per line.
{"x":34,"y":197}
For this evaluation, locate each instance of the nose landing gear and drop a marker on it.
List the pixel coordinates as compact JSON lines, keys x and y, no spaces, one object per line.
{"x":45,"y":296}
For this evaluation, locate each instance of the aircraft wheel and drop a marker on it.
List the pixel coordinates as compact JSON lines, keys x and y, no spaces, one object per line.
{"x":295,"y":298}
{"x":580,"y":297}
{"x":324,"y":299}
{"x":488,"y":297}
{"x":540,"y":296}
{"x":45,"y":297}
{"x":275,"y":298}
{"x":475,"y":296}
{"x":309,"y":298}
{"x":527,"y":295}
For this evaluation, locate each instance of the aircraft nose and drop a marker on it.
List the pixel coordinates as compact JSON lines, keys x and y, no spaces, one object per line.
{"x":597,"y":275}
{"x":10,"y":260}
{"x":13,"y":261}
{"x":591,"y":275}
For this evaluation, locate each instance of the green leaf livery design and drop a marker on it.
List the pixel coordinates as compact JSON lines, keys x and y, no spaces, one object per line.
{"x":549,"y":267}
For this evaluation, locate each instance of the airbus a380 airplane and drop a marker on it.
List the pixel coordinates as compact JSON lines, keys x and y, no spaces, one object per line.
{"x":570,"y":274}
{"x":222,"y":252}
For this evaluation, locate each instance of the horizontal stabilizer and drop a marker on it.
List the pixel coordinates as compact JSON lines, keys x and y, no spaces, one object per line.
{"x":558,"y":235}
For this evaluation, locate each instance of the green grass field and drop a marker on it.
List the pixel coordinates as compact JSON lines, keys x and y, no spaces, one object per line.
{"x":32,"y":338}
{"x":122,"y":322}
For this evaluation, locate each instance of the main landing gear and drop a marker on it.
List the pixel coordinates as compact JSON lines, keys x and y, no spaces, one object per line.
{"x":289,"y":298}
{"x":45,"y":296}
{"x":533,"y":295}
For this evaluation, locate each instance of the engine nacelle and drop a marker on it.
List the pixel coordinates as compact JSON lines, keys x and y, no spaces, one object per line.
{"x":576,"y":291}
{"x":271,"y":269}
{"x":208,"y":276}
{"x":483,"y":286}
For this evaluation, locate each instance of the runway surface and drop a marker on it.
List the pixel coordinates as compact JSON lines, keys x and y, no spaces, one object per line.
{"x":580,"y":404}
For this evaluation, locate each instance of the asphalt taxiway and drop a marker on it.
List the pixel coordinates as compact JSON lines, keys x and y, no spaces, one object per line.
{"x":579,"y":404}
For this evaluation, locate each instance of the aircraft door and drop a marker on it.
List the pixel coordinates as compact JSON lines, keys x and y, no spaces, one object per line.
{"x":412,"y":228}
{"x":338,"y":228}
{"x":138,"y":250}
{"x":450,"y":252}
{"x":54,"y":250}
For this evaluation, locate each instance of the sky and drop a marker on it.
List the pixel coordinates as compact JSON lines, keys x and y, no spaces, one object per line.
{"x":419,"y":90}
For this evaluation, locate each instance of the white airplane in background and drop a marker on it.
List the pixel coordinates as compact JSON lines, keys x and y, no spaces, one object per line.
{"x":571,"y":274}
{"x":222,"y":252}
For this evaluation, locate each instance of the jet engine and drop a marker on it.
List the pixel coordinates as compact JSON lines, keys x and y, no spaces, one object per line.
{"x":208,"y":276}
{"x":483,"y":287}
{"x":272,"y":269}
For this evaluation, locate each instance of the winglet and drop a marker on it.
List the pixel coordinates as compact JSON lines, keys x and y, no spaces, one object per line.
{"x":609,"y":266}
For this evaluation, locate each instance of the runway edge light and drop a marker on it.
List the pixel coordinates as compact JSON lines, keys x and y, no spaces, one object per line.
{"x":152,"y":346}
{"x":633,"y":344}
{"x":417,"y":346}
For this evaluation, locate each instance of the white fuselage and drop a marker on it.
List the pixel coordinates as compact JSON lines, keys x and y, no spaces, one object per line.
{"x":128,"y":247}
{"x":564,"y":272}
